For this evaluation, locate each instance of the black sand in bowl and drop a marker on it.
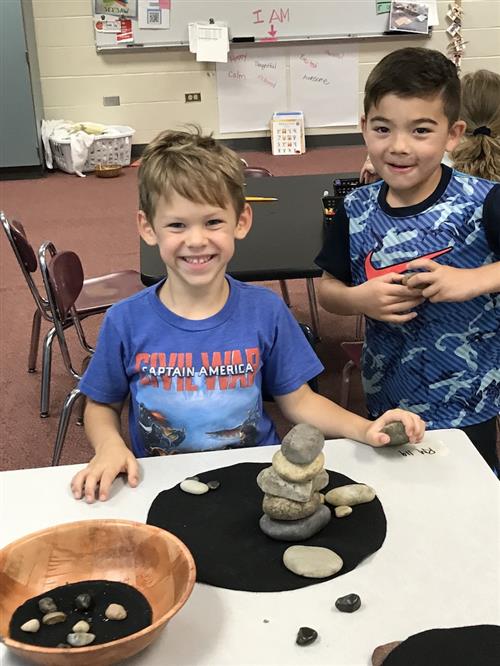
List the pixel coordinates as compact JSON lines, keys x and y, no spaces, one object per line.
{"x":103,"y":593}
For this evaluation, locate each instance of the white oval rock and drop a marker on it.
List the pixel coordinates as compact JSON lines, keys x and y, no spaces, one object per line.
{"x":31,"y":626}
{"x":312,"y":561}
{"x":81,"y":627}
{"x":80,"y":639}
{"x":115,"y":612}
{"x":194,"y":487}
{"x":350,"y":495}
{"x":343,"y":511}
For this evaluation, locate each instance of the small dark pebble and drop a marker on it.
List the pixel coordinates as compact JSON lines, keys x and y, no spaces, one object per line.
{"x":63,"y":645}
{"x":306,"y":636}
{"x":213,"y":485}
{"x":83,"y":601}
{"x":349,"y":603}
{"x":192,"y":478}
{"x":265,"y":621}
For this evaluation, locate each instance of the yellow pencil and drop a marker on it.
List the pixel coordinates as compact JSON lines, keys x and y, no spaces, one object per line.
{"x":261,"y":199}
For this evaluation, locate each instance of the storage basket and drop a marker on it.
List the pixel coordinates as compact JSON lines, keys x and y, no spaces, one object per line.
{"x":115,"y":149}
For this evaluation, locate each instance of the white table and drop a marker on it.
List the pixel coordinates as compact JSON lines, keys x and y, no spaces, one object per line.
{"x":439,"y":565}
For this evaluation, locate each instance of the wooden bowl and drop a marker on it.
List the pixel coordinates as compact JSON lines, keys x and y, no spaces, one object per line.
{"x":150,"y":559}
{"x":107,"y":170}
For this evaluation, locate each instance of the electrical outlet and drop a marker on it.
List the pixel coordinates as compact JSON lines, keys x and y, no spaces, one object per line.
{"x":111,"y":101}
{"x":192,"y":97}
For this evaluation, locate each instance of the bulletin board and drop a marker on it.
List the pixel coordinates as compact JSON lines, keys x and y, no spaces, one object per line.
{"x":259,"y":21}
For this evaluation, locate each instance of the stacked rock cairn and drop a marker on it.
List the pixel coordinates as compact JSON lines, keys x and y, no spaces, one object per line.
{"x":293,"y":506}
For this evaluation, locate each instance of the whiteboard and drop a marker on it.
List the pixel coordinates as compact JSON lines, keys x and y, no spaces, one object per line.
{"x":260,"y":21}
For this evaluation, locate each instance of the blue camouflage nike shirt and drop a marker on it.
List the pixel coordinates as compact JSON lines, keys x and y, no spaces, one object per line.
{"x":445,"y":363}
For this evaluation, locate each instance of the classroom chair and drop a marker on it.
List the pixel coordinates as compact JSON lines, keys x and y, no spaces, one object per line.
{"x":62,"y":275}
{"x":313,"y":383}
{"x":353,"y":350}
{"x":97,"y":295}
{"x":257,"y":172}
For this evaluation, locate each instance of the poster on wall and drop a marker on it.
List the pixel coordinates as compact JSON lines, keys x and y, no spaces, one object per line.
{"x":125,"y":8}
{"x":153,"y":15}
{"x":257,"y":74}
{"x":324,"y":83}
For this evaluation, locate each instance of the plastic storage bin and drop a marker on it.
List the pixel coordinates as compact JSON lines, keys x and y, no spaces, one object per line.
{"x":114,"y":149}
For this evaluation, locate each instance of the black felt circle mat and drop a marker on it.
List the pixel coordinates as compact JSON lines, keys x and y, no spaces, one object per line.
{"x":461,"y":646}
{"x":221,"y":529}
{"x":139,"y":613}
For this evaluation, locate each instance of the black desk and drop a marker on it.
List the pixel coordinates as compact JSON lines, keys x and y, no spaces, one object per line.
{"x":284,"y":239}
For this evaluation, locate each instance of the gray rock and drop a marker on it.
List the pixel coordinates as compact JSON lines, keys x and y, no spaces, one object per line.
{"x":343,"y":511}
{"x":406,"y":276}
{"x":47,"y":605}
{"x":280,"y":508}
{"x":302,"y":444}
{"x":83,"y":601}
{"x":350,"y":495}
{"x":194,"y":487}
{"x":297,"y":473}
{"x":321,"y":480}
{"x":115,"y":612}
{"x":296,"y":530}
{"x":31,"y":626}
{"x":80,"y":639}
{"x":349,"y":603}
{"x":397,"y":433}
{"x":312,"y":561}
{"x":272,"y":484}
{"x":213,"y":485}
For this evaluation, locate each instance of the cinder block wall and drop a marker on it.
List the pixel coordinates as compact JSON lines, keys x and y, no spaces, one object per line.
{"x":151,"y":84}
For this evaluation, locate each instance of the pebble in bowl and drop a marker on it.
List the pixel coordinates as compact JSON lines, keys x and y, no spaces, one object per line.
{"x":153,"y":561}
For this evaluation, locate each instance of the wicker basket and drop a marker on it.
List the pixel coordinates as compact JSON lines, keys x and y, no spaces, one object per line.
{"x":114,"y":150}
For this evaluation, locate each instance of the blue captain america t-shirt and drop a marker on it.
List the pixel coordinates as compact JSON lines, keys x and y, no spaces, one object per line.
{"x":445,"y":363}
{"x":196,"y":385}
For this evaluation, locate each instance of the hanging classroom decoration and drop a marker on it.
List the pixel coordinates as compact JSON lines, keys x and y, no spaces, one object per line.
{"x":456,"y":47}
{"x":125,"y":8}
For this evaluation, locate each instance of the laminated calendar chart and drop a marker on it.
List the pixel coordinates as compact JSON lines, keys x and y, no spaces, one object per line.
{"x":287,"y":133}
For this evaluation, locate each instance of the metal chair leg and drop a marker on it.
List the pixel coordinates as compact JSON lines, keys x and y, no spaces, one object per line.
{"x":35,"y":339}
{"x":346,"y":381}
{"x":46,"y":371}
{"x":284,"y":293}
{"x":62,"y":428}
{"x":313,"y":307}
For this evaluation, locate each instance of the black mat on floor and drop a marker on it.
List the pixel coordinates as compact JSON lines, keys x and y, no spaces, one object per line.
{"x":221,"y":529}
{"x":461,"y":646}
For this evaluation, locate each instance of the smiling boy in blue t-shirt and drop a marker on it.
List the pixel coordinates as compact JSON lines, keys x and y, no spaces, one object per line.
{"x":195,"y":352}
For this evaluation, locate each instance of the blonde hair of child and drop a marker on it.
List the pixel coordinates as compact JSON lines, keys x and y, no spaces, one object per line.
{"x":479,"y":152}
{"x":197,"y":167}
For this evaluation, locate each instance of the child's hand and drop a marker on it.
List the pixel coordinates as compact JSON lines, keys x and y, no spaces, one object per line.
{"x":444,"y":283}
{"x":385,"y":299}
{"x":368,"y":174}
{"x":413,"y":424}
{"x":102,"y":470}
